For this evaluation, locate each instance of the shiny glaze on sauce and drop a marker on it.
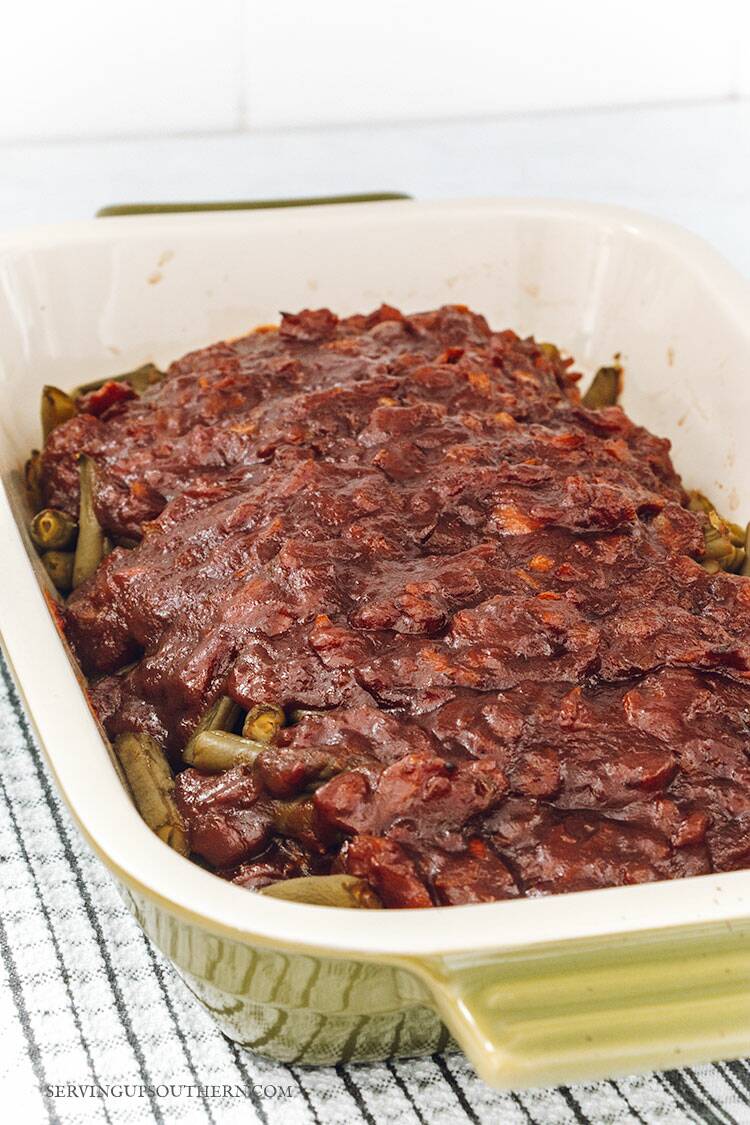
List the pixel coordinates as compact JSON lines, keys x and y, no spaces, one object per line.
{"x":520,"y":679}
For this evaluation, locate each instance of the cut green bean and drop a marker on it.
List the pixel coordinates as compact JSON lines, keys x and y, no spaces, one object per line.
{"x":735,"y":560}
{"x":140,"y":379}
{"x":57,"y":407}
{"x":605,"y":388}
{"x":732,"y":531}
{"x":90,"y":545}
{"x":736,"y":534}
{"x":175,"y":837}
{"x":745,"y":568}
{"x":295,"y":818}
{"x":152,"y":785}
{"x":32,"y":475}
{"x":263,"y":722}
{"x":300,"y":713}
{"x":53,"y":530}
{"x":59,"y":567}
{"x":716,"y":545}
{"x":217,"y":750}
{"x":697,"y":502}
{"x":330,"y":769}
{"x":222,"y":715}
{"x":326,"y":890}
{"x":724,"y":542}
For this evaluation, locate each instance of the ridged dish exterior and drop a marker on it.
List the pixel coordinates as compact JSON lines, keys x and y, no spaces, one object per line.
{"x":297,"y":1007}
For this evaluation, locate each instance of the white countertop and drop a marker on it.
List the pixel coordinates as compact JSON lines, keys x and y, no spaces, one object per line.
{"x":688,"y":163}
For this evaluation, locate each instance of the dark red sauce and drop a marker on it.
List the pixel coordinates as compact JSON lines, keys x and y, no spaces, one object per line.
{"x":522,"y":680}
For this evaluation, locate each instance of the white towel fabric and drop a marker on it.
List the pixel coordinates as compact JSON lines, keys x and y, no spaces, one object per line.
{"x":86,"y":1001}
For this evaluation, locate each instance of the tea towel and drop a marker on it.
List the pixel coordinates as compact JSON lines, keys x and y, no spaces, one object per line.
{"x":97,"y":1027}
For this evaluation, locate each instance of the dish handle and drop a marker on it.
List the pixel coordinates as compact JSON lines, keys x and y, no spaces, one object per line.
{"x":548,"y":1015}
{"x":120,"y":209}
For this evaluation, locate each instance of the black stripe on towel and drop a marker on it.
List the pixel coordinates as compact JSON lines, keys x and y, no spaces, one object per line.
{"x":461,"y":1098}
{"x":354,"y":1092}
{"x":80,"y":882}
{"x":61,"y":969}
{"x":16,"y":990}
{"x":690,"y":1101}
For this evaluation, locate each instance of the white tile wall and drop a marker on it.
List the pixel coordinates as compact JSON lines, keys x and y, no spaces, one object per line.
{"x":89,"y":68}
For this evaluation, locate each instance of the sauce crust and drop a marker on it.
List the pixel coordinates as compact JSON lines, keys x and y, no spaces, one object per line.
{"x":486,"y":600}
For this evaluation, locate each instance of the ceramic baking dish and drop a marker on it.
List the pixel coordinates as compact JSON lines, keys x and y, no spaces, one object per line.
{"x":535,"y":991}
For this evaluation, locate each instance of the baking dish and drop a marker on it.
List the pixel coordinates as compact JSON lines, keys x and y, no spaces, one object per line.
{"x":535,"y":991}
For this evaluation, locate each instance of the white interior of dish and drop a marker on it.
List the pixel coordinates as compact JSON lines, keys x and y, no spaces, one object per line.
{"x":97,"y":298}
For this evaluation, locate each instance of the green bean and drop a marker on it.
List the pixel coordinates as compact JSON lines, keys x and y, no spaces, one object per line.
{"x":724,"y":542}
{"x":295,"y":818}
{"x":324,"y":774}
{"x":300,"y":713}
{"x":90,"y":545}
{"x":745,"y":568}
{"x":139,"y":380}
{"x":174,"y":836}
{"x":222,"y":715}
{"x":152,"y":785}
{"x":716,"y":545}
{"x":697,"y":502}
{"x":736,"y":534}
{"x":732,"y":531}
{"x":32,"y":475}
{"x":59,"y":567}
{"x":735,"y":560}
{"x":263,"y":722}
{"x":53,"y":530}
{"x":217,"y":750}
{"x":326,"y":890}
{"x":57,"y":407}
{"x":605,"y":388}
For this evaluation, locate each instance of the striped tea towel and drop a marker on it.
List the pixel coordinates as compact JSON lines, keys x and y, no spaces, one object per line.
{"x":96,"y":1026}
